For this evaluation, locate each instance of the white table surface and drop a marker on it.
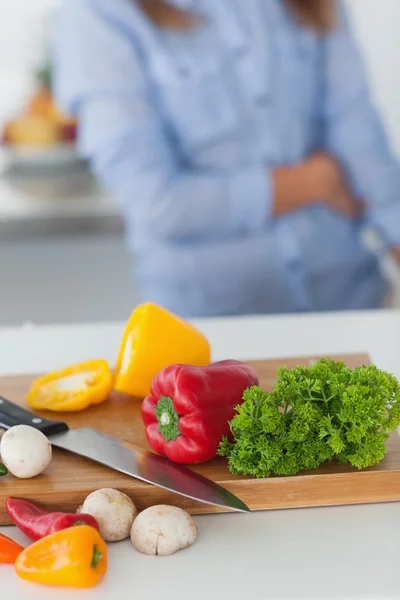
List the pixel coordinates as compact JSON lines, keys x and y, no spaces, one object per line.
{"x":341,"y":552}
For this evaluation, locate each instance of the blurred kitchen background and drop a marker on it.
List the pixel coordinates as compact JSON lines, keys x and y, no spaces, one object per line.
{"x":60,"y":234}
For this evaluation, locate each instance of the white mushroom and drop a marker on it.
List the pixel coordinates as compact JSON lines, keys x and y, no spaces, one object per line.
{"x":25,"y":451}
{"x":114,"y":512}
{"x":163,"y":530}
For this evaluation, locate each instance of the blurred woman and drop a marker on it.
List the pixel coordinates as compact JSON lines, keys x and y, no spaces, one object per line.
{"x":241,"y":142}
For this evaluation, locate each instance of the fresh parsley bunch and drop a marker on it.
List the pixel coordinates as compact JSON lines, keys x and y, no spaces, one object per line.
{"x":314,"y":414}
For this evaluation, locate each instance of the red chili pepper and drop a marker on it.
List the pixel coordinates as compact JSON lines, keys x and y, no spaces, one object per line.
{"x":36,"y":523}
{"x":188,"y":409}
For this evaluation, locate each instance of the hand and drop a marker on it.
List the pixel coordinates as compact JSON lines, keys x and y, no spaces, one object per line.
{"x":326,"y":182}
{"x":316,"y":180}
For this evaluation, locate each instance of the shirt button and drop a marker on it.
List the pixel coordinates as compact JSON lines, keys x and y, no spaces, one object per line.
{"x":184,"y":72}
{"x":240,"y":52}
{"x":262,"y":100}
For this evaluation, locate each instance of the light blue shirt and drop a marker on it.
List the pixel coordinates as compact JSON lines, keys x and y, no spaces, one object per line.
{"x":185,"y":127}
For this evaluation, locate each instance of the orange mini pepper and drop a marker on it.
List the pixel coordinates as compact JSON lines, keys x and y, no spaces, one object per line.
{"x":9,"y":550}
{"x":153,"y":339}
{"x":73,"y":557}
{"x":72,"y":389}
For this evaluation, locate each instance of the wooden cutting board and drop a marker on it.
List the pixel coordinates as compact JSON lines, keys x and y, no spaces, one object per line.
{"x":69,"y":478}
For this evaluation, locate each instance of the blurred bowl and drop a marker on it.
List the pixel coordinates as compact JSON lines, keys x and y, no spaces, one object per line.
{"x":63,"y":155}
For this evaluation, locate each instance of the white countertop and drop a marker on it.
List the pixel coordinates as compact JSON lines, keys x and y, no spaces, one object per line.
{"x":343,"y":552}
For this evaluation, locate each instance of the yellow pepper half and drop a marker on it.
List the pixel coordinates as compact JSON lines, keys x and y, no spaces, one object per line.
{"x":72,"y":389}
{"x":73,"y":557}
{"x":153,"y":339}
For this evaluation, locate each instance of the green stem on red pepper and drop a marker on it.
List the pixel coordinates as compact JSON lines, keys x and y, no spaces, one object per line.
{"x":79,"y":523}
{"x":167,"y":418}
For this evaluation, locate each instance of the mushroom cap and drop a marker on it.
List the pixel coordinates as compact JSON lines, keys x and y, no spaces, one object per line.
{"x":25,"y":451}
{"x":114,"y":512}
{"x":163,"y":530}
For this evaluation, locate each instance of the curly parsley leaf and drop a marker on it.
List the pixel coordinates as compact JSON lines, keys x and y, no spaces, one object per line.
{"x":314,"y":414}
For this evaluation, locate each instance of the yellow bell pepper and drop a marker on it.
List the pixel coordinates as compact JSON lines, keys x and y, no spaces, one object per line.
{"x":72,"y":389}
{"x":73,"y":557}
{"x":153,"y":339}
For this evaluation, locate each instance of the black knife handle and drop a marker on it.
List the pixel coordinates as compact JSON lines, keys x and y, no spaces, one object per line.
{"x":12,"y":414}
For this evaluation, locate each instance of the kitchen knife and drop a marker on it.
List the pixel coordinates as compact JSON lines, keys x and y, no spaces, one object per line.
{"x":123,"y":457}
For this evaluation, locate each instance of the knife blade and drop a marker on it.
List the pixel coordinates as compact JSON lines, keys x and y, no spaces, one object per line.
{"x":124,"y":457}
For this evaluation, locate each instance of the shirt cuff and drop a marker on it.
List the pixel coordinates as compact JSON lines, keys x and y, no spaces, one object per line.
{"x":251,"y":197}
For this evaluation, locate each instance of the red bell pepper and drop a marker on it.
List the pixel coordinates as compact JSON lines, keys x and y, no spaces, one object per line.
{"x":189,"y":408}
{"x":36,"y":523}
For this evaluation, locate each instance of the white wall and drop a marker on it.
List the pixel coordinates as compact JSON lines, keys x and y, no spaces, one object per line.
{"x":377,"y":25}
{"x":22,"y":44}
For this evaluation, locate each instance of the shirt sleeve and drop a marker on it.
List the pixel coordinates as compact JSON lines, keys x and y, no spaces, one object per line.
{"x":100,"y":77}
{"x":354,"y":132}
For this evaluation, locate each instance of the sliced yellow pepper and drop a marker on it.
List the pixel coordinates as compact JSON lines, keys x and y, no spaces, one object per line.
{"x":153,"y":339}
{"x":72,"y":389}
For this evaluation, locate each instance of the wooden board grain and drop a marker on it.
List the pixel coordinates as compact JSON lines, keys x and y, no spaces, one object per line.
{"x":69,"y":479}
